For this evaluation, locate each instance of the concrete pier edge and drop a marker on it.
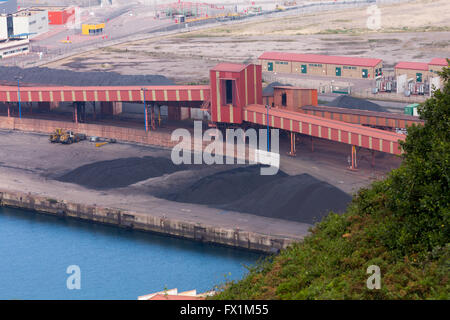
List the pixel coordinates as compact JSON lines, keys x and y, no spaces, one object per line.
{"x":235,"y":238}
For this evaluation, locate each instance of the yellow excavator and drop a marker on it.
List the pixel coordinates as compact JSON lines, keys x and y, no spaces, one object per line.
{"x":70,"y":137}
{"x":56,"y":135}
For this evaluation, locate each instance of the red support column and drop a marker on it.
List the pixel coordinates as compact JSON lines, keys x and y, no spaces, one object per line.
{"x":293,"y":150}
{"x":354,"y":165}
{"x":9,"y":112}
{"x":153,"y":117}
{"x":75,"y":105}
{"x":146,"y":117}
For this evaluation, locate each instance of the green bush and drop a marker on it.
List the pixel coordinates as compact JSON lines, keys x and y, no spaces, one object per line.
{"x":400,"y":224}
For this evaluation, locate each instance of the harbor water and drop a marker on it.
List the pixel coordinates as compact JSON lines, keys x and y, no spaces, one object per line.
{"x":36,"y":251}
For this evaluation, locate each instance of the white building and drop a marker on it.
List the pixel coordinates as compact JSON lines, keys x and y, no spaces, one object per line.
{"x":6,"y":27}
{"x":32,"y":22}
{"x":14,"y":47}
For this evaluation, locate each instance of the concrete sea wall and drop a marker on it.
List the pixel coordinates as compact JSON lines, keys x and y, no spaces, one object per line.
{"x":145,"y":222}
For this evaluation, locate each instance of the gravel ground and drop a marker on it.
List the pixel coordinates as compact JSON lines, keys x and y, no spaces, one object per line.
{"x":30,"y":163}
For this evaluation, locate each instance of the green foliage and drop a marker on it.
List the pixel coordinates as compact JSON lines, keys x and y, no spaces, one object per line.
{"x":400,"y":224}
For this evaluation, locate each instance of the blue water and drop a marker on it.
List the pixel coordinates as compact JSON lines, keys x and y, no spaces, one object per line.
{"x":35,"y":251}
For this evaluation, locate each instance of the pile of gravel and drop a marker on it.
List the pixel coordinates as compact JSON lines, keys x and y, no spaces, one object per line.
{"x":224,"y":187}
{"x":301,"y":198}
{"x":349,"y":102}
{"x":269,"y":89}
{"x":47,"y":76}
{"x":119,"y":172}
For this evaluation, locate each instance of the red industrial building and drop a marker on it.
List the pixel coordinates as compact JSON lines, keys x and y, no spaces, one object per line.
{"x":234,"y":97}
{"x":420,"y":71}
{"x":234,"y":86}
{"x":60,"y":15}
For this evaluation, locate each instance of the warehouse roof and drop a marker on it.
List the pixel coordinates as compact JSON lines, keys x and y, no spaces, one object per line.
{"x":439,"y":62}
{"x":318,"y":58}
{"x":412,"y":65}
{"x":230,"y":67}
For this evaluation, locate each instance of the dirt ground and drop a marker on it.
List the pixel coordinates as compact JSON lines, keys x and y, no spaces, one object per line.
{"x":415,"y":31}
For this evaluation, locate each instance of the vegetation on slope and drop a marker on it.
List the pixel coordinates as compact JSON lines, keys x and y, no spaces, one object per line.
{"x":400,"y":224}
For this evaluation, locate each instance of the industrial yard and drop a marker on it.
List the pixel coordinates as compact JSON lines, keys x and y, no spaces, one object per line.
{"x":143,"y":179}
{"x":97,"y":102}
{"x":339,"y":33}
{"x":182,"y":73}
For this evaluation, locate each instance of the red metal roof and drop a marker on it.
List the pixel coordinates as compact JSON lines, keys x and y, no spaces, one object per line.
{"x":317,"y":58}
{"x":108,"y":93}
{"x":350,"y":127}
{"x":369,"y":113}
{"x":112,"y":88}
{"x":291,"y":88}
{"x":439,"y":62}
{"x":229,"y":67}
{"x":412,"y":65}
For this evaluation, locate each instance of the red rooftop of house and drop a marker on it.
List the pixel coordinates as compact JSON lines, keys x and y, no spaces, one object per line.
{"x":439,"y":62}
{"x":318,"y":58}
{"x":230,"y":67}
{"x":173,"y":294}
{"x":412,"y":65}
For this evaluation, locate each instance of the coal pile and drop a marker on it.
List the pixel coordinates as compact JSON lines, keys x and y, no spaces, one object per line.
{"x":269,"y":89}
{"x":300,"y":198}
{"x":47,"y":76}
{"x":349,"y":102}
{"x":224,"y":187}
{"x":120,"y":172}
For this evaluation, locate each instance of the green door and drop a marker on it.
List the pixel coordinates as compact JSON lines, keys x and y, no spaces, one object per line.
{"x":338,"y":71}
{"x":418,"y":77}
{"x":269,"y":66}
{"x":365,"y":72}
{"x":304,"y":70}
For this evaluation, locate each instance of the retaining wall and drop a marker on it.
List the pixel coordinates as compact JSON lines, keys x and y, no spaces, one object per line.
{"x":145,"y":222}
{"x":119,"y":133}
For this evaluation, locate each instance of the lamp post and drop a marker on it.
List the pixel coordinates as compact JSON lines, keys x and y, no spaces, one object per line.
{"x":145,"y":111}
{"x":18,"y":96}
{"x":268,"y":130}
